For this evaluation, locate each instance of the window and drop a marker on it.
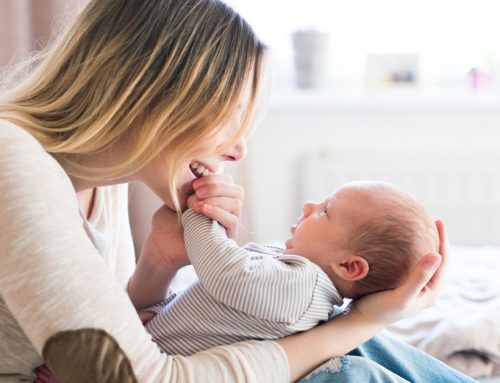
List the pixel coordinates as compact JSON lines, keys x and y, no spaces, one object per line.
{"x":450,"y":36}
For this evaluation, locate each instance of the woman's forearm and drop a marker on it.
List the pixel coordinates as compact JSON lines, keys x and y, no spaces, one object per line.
{"x":150,"y":282}
{"x":307,"y":350}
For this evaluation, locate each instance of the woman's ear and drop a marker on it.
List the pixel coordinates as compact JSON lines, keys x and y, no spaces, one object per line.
{"x":353,"y":268}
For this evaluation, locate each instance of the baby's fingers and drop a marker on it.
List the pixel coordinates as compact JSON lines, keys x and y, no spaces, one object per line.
{"x":217,"y":185}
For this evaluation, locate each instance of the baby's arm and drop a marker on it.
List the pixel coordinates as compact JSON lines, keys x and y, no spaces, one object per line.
{"x":247,"y":281}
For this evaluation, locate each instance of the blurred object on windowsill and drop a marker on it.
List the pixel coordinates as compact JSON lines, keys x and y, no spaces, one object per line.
{"x":480,"y":79}
{"x":392,"y":70}
{"x":310,"y":48}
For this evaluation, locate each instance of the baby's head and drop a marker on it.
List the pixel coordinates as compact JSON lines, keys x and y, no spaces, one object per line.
{"x":366,"y":236}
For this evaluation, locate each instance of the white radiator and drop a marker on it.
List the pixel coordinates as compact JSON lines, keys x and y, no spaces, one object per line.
{"x":465,"y":192}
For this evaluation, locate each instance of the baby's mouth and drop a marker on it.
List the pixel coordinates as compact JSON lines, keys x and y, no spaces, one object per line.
{"x":199,"y":170}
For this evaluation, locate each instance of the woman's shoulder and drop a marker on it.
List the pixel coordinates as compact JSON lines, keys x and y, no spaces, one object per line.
{"x":20,"y":148}
{"x":25,"y":164}
{"x":12,"y":134}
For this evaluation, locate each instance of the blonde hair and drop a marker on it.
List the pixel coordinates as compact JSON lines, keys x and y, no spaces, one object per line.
{"x":163,"y":74}
{"x":394,"y":233}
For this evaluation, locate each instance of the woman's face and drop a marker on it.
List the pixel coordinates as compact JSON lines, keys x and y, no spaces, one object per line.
{"x":207,"y":158}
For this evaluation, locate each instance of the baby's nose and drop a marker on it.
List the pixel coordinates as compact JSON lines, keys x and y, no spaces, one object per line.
{"x":308,"y":208}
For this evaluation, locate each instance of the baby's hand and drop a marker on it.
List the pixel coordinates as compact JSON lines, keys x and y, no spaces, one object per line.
{"x":146,"y":316}
{"x":217,"y":197}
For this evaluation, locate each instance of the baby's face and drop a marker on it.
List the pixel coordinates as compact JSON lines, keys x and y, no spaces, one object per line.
{"x":322,"y":229}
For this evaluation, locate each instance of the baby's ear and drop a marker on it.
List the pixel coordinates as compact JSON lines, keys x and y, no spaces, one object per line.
{"x":352,"y":268}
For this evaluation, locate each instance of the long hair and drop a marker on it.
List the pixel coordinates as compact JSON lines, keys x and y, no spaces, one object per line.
{"x":162,"y":74}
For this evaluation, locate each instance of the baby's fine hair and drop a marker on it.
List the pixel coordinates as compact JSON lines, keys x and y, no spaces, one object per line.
{"x":162,"y":74}
{"x":396,"y":232}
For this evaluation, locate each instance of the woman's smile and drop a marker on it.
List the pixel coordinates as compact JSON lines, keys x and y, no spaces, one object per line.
{"x":200,"y":170}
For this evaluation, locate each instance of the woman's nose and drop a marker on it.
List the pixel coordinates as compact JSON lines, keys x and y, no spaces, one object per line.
{"x":238,"y":151}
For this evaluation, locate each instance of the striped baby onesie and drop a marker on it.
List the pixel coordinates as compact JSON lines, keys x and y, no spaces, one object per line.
{"x":250,"y":292}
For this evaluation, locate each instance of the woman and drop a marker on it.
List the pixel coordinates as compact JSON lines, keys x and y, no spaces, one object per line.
{"x":140,"y":91}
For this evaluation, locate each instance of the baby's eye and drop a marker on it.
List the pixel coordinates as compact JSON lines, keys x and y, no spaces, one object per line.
{"x":324,"y":213}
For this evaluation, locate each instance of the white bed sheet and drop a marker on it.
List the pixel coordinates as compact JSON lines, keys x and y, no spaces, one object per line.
{"x":463,"y":328}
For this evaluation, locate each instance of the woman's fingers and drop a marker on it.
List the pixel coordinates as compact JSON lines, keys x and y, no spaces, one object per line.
{"x":419,"y":278}
{"x":427,"y":275}
{"x":226,"y":219}
{"x":43,"y":375}
{"x":443,"y":251}
{"x":443,"y":238}
{"x":42,"y":371}
{"x":388,"y":306}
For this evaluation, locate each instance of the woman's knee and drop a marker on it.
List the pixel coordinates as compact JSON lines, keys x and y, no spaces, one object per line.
{"x":351,"y":369}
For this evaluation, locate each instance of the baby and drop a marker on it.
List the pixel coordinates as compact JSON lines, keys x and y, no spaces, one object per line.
{"x":363,"y":238}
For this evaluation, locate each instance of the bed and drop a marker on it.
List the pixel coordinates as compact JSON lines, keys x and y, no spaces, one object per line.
{"x":463,"y":327}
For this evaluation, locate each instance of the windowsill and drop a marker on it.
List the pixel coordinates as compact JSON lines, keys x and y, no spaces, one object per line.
{"x":425,"y":99}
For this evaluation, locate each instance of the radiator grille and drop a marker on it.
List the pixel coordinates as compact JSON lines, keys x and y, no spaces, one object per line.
{"x":465,"y":192}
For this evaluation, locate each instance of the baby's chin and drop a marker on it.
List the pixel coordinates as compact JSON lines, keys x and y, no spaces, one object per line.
{"x":288,"y":246}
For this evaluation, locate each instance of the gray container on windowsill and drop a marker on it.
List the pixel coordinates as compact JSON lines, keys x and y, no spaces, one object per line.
{"x":310,"y":49}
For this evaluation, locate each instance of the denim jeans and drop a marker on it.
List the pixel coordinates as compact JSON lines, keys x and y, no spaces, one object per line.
{"x":384,"y":359}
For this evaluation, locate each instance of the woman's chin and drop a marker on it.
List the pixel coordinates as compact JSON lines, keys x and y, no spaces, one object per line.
{"x":169,"y":204}
{"x":182,"y":198}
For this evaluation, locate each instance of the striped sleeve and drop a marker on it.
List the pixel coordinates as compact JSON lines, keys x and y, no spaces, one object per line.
{"x":254,"y":283}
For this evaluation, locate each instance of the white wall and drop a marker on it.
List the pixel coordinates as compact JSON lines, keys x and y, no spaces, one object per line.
{"x":300,"y":123}
{"x":382,"y":122}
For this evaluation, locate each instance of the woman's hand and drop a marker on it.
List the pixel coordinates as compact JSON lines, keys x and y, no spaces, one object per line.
{"x":418,"y":292}
{"x":43,"y":375}
{"x":307,"y":350}
{"x":163,"y":254}
{"x":217,"y":197}
{"x":166,"y":240}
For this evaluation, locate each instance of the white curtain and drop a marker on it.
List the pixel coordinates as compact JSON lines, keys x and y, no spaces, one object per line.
{"x":27,"y":25}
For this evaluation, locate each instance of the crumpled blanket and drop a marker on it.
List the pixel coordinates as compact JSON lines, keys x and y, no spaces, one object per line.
{"x":463,"y":328}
